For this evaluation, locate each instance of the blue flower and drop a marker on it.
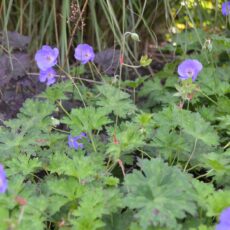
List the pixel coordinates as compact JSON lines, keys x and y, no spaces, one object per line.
{"x":224,"y":220}
{"x":3,"y":180}
{"x":226,"y":8}
{"x":48,"y":76}
{"x":73,"y":141}
{"x":84,"y":53}
{"x":189,"y":69}
{"x":46,"y":57}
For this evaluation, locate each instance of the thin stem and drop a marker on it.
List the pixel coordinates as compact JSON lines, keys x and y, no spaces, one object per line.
{"x":132,"y":66}
{"x":200,"y":176}
{"x":60,"y":130}
{"x":143,"y":152}
{"x":209,"y":98}
{"x":227,"y":145}
{"x":22,"y":208}
{"x":193,"y":151}
{"x":73,"y":84}
{"x":64,"y":110}
{"x":93,"y":144}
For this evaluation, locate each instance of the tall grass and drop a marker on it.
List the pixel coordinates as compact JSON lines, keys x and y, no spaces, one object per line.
{"x":46,"y":22}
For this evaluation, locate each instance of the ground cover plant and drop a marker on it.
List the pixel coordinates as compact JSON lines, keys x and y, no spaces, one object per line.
{"x":110,"y":140}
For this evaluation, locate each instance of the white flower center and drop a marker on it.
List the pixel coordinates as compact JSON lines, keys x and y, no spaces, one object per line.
{"x":50,"y":75}
{"x":48,"y":58}
{"x":190,"y":72}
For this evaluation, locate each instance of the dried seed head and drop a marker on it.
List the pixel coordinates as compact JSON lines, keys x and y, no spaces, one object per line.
{"x":76,"y":14}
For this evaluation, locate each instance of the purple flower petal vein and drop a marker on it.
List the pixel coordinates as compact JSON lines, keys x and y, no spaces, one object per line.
{"x":46,"y":57}
{"x":226,"y":8}
{"x":48,"y":76}
{"x":3,"y":180}
{"x":224,"y":220}
{"x":189,"y":69}
{"x":73,"y":141}
{"x":84,"y":53}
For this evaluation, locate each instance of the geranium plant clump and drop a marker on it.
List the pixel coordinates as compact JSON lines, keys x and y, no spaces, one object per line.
{"x":121,"y":152}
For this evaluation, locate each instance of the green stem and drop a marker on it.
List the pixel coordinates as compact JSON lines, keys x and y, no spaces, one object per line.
{"x":93,"y":144}
{"x":205,"y":174}
{"x":73,"y":84}
{"x":193,"y":151}
{"x":63,"y":109}
{"x":227,"y":145}
{"x":209,"y":98}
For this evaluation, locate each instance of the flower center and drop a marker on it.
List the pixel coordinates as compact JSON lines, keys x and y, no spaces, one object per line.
{"x":50,"y":75}
{"x":48,"y":58}
{"x":190,"y":72}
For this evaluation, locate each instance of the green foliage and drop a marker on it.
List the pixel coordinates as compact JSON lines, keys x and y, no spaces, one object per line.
{"x":218,"y":202}
{"x":145,"y":61}
{"x":114,"y":100}
{"x":156,"y":152}
{"x":128,"y":137}
{"x":155,"y":191}
{"x":86,"y":119}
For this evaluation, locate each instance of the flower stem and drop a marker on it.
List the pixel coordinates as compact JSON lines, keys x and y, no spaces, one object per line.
{"x":209,"y":98}
{"x":193,"y":151}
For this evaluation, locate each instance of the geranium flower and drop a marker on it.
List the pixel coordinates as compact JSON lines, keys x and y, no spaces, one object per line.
{"x":48,"y":76}
{"x":46,"y":57}
{"x":3,"y":180}
{"x":226,"y":8}
{"x":84,"y":53}
{"x":224,"y":220}
{"x":73,"y":141}
{"x":189,"y":69}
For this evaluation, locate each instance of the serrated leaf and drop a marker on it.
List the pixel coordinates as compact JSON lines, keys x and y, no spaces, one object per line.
{"x":113,"y":100}
{"x":87,"y":119}
{"x":218,"y":202}
{"x":196,"y":126}
{"x":155,"y":191}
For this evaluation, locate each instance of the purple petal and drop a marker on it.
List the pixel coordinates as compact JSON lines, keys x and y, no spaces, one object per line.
{"x":221,"y":226}
{"x":3,"y":180}
{"x":189,"y":69}
{"x":48,"y":75}
{"x":50,"y":81}
{"x":226,"y":8}
{"x":84,"y":53}
{"x":225,"y":216}
{"x":46,"y":57}
{"x":73,"y":141}
{"x":42,"y":76}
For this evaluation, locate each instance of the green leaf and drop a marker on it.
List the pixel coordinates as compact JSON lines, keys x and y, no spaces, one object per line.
{"x":155,"y":191}
{"x":168,"y":143}
{"x":202,"y":192}
{"x":128,"y":137}
{"x":93,"y":205}
{"x":145,"y":61}
{"x":118,"y":221}
{"x":155,"y":92}
{"x":219,"y":165}
{"x":23,"y":164}
{"x":86,"y":119}
{"x":218,"y":202}
{"x":67,"y":187}
{"x":113,"y":100}
{"x":58,"y":91}
{"x":196,"y":126}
